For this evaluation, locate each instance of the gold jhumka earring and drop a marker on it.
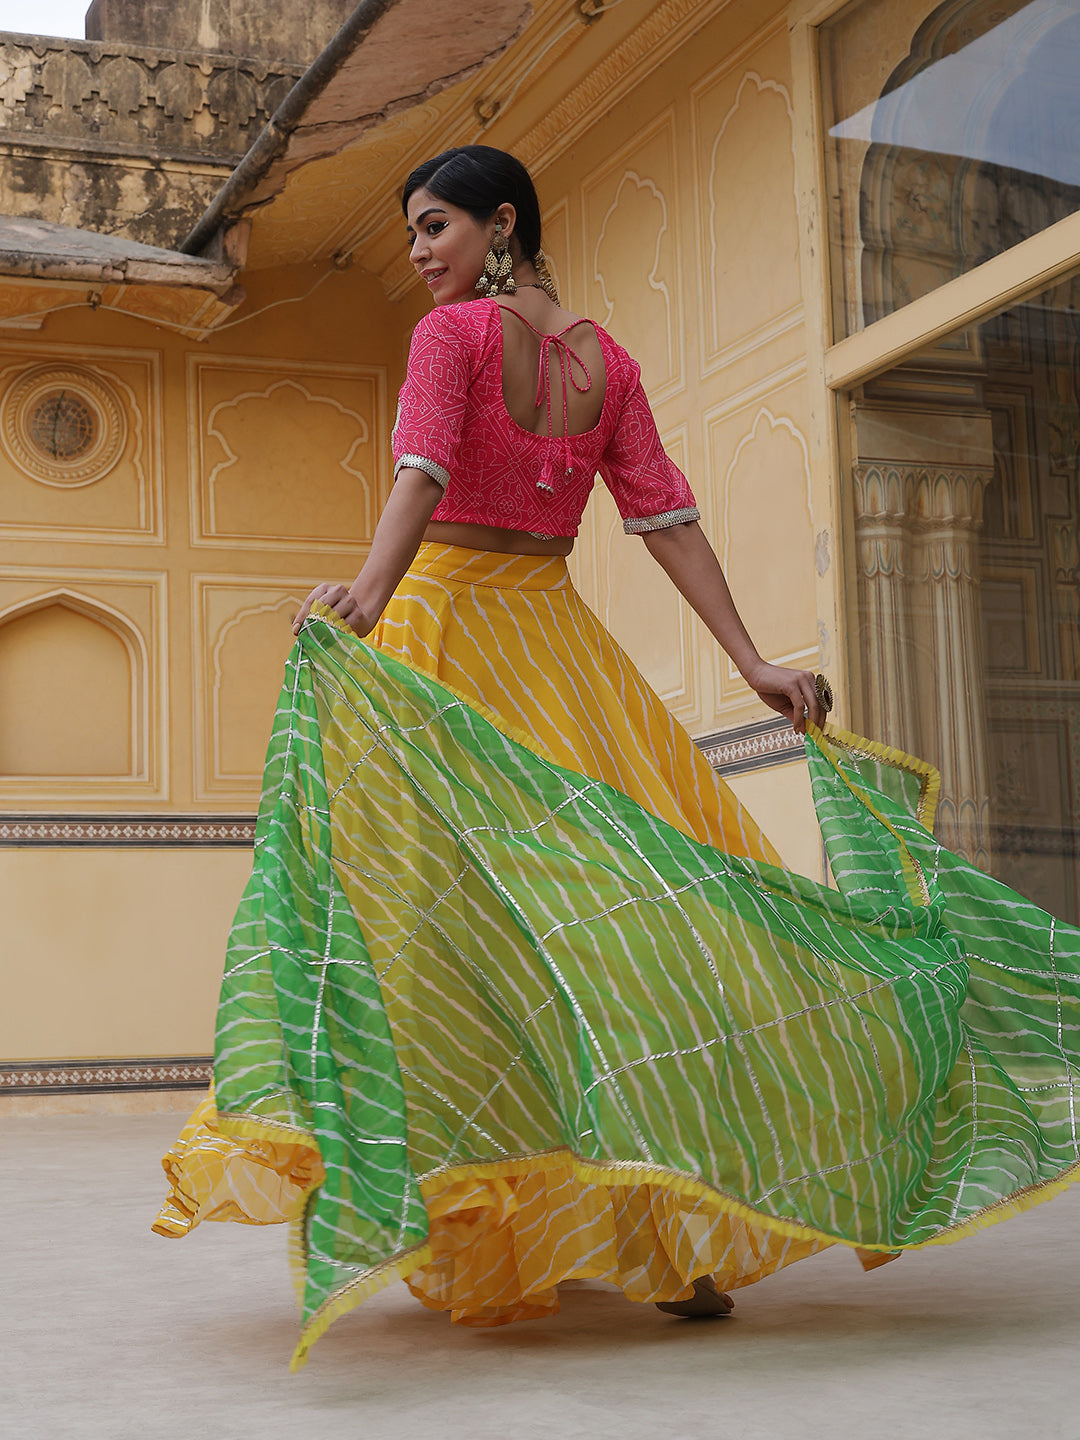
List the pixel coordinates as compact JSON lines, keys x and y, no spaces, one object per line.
{"x":497,"y":277}
{"x":547,"y":284}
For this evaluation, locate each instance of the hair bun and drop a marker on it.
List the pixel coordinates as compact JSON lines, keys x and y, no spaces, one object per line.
{"x":478,"y":179}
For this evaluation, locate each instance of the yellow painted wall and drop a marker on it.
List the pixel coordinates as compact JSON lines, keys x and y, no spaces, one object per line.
{"x":253,"y":465}
{"x":144,"y":620}
{"x":114,"y":953}
{"x":780,"y":801}
{"x":144,"y":615}
{"x":674,"y":222}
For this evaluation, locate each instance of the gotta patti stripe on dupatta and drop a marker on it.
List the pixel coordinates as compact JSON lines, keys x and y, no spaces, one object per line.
{"x":493,"y":1022}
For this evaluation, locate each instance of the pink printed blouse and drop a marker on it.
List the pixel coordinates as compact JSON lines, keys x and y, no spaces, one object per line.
{"x":453,"y":424}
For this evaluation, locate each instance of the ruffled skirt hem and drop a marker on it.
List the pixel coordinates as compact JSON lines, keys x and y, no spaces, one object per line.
{"x":504,"y":1236}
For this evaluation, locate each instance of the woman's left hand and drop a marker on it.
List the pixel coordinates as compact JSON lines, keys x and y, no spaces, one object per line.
{"x":791,"y":692}
{"x":339,"y":599}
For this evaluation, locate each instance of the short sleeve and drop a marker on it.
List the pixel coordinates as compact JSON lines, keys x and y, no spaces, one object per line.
{"x":431,"y":406}
{"x":649,"y":488}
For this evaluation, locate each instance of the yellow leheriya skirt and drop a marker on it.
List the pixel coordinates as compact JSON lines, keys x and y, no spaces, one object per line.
{"x":519,"y":993}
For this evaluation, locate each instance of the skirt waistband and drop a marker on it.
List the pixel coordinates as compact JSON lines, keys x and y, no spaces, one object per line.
{"x":491,"y":567}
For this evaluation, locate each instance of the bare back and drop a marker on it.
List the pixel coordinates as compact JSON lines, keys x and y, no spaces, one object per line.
{"x":576,"y":380}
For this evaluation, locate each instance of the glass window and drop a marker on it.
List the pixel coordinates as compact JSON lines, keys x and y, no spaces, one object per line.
{"x":966,"y":491}
{"x":950,"y":136}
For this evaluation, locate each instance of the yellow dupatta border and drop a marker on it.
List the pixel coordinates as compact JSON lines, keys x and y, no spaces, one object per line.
{"x":621,"y":1174}
{"x":829,"y":741}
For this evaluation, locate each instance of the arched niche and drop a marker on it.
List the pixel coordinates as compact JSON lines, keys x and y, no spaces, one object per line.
{"x":72,"y":682}
{"x":928,"y":214}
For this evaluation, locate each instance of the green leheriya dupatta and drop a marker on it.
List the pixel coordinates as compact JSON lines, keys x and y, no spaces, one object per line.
{"x":454,"y":954}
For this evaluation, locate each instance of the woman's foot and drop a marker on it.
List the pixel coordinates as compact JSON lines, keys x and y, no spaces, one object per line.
{"x":706,"y":1301}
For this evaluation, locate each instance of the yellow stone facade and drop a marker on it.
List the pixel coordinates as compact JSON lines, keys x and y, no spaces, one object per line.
{"x":145,"y":603}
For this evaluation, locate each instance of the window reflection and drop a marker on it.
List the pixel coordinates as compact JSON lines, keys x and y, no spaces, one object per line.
{"x":950,"y":137}
{"x":967,"y":527}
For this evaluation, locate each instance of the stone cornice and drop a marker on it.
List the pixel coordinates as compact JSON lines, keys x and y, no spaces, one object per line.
{"x":127,"y":157}
{"x":90,"y":96}
{"x":636,"y":57}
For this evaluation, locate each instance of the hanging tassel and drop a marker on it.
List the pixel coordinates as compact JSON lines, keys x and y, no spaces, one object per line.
{"x":546,"y":482}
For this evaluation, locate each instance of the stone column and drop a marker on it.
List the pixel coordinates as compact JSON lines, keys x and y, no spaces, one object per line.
{"x":889,"y":691}
{"x":948,"y":514}
{"x":919,"y":476}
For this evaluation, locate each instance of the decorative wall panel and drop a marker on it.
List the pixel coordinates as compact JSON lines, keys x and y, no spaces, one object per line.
{"x":83,"y":677}
{"x":741,"y":115}
{"x":242,"y":632}
{"x":632,"y":206}
{"x":80,"y":437}
{"x":555,"y":235}
{"x":1010,"y":596}
{"x":637,"y":602}
{"x":100,"y":1077}
{"x":764,"y":535}
{"x":286,"y":455}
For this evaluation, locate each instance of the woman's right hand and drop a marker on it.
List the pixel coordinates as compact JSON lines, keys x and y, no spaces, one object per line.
{"x":790,"y":692}
{"x":341,"y":600}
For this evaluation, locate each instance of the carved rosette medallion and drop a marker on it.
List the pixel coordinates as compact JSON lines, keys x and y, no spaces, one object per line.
{"x":62,"y":426}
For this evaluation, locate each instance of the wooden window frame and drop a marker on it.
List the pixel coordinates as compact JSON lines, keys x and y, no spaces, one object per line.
{"x":835,"y":368}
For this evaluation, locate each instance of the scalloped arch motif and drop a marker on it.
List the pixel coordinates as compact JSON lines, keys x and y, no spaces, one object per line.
{"x":219,"y":473}
{"x":264,"y":684}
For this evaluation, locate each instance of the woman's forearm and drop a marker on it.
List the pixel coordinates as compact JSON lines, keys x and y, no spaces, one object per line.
{"x":688,"y":558}
{"x":393,"y":547}
{"x":690,"y":562}
{"x":397,"y":538}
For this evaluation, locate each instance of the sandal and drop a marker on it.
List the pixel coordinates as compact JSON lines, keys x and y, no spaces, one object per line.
{"x":706,"y":1302}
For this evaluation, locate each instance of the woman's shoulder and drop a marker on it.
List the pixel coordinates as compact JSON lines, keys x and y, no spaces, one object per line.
{"x":622,"y":369}
{"x":466,"y":320}
{"x":462,"y":331}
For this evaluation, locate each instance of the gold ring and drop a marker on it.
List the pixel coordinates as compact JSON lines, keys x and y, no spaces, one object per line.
{"x":823,"y":691}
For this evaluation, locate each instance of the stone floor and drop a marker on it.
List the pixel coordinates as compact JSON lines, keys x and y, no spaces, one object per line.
{"x":112,"y":1332}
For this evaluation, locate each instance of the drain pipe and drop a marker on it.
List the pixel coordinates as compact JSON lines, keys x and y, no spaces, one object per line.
{"x":273,"y":139}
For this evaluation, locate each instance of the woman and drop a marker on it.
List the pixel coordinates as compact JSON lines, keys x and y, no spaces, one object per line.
{"x":518,"y":992}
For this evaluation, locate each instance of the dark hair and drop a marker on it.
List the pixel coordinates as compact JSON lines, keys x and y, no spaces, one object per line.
{"x":478,"y":179}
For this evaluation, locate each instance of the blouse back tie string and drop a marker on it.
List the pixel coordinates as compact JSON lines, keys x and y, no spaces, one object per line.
{"x":567,"y":358}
